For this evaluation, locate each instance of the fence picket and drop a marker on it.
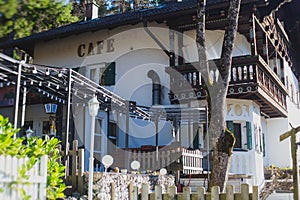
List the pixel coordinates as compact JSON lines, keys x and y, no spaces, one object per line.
{"x":245,"y":191}
{"x":215,"y":193}
{"x":9,"y":172}
{"x":158,"y":192}
{"x":229,"y":192}
{"x":255,"y":193}
{"x":201,"y":193}
{"x":135,"y":193}
{"x":145,"y":191}
{"x":186,"y":193}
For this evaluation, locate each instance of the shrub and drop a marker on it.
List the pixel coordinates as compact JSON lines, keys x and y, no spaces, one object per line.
{"x":33,"y":148}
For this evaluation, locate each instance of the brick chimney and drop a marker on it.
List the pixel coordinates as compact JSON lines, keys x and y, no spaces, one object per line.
{"x":91,"y":10}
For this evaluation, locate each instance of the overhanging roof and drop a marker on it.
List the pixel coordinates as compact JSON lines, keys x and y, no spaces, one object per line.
{"x":112,"y":21}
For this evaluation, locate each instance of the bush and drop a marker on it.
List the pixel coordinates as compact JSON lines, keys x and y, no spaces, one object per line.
{"x":33,"y":148}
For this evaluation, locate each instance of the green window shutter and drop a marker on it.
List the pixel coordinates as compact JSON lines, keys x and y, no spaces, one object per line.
{"x":230,"y":126}
{"x":109,"y":73}
{"x":249,"y":135}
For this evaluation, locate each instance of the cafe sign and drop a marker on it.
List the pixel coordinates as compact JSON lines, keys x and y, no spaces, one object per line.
{"x":95,"y":48}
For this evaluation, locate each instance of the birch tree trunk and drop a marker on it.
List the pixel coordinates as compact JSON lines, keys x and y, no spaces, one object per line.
{"x":216,"y":86}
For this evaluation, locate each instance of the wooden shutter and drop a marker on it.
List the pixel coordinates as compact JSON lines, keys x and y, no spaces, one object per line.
{"x":230,"y":126}
{"x":249,"y":135}
{"x":109,"y":74}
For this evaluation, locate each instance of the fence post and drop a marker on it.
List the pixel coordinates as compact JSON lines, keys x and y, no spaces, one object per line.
{"x":135,"y":193}
{"x":158,"y":192}
{"x":80,"y":170}
{"x":229,"y":192}
{"x":171,"y":192}
{"x":255,"y":193}
{"x":74,"y":164}
{"x":201,"y":193}
{"x":186,"y":193}
{"x":112,"y":191}
{"x":130,"y":190}
{"x":215,"y":192}
{"x":245,"y":191}
{"x":145,"y":191}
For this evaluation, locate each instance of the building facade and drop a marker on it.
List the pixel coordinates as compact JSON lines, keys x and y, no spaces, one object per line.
{"x":149,"y":57}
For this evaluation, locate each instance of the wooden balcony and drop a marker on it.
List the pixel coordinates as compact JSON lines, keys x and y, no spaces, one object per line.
{"x":251,"y":78}
{"x":180,"y":158}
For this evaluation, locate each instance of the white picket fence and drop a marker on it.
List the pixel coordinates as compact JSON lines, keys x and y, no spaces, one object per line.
{"x":37,"y":178}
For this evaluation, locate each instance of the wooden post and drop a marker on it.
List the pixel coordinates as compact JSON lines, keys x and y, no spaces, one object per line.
{"x":255,"y":193}
{"x":292,"y":133}
{"x":135,"y":193}
{"x":295,"y":164}
{"x":215,"y":192}
{"x":201,"y":193}
{"x":112,"y":191}
{"x":80,"y":170}
{"x":186,"y":193}
{"x":229,"y":192}
{"x":145,"y":191}
{"x":245,"y":191}
{"x":158,"y":192}
{"x":74,"y":164}
{"x":172,"y":190}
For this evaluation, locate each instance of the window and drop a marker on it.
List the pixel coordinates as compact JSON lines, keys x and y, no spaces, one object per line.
{"x":103,"y":74}
{"x":98,"y":139}
{"x":242,"y":132}
{"x":112,"y":137}
{"x":46,"y":127}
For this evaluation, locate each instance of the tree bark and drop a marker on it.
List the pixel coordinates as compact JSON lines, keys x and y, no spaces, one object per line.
{"x":220,"y":139}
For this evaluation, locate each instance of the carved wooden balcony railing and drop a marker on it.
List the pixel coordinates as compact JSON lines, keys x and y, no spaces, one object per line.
{"x":251,"y":78}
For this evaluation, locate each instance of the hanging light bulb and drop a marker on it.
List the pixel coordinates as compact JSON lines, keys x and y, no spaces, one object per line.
{"x":40,"y":83}
{"x":34,"y":71}
{"x":57,"y":87}
{"x":60,"y":74}
{"x":47,"y":72}
{"x":31,"y":82}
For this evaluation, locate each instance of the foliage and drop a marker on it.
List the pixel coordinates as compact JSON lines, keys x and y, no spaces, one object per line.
{"x":20,"y":18}
{"x":33,"y":148}
{"x":79,"y":8}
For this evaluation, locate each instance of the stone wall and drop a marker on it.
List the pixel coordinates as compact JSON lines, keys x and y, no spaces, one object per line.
{"x":102,"y":183}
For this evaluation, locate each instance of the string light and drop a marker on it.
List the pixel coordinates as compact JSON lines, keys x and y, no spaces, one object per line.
{"x":40,"y":83}
{"x":47,"y":72}
{"x":60,"y":74}
{"x":57,"y":86}
{"x":34,"y":71}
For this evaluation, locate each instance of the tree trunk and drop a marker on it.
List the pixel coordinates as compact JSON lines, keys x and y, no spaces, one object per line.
{"x":220,"y":138}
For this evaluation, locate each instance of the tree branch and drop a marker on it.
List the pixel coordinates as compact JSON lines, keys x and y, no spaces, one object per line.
{"x":228,"y":42}
{"x":201,"y":46}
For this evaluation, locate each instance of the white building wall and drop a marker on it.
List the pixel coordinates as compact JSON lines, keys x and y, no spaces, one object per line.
{"x":214,"y":41}
{"x":279,"y":152}
{"x":247,"y":161}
